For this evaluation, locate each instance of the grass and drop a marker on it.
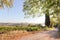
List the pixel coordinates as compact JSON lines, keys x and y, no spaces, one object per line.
{"x":5,"y":29}
{"x":47,"y":28}
{"x":14,"y":35}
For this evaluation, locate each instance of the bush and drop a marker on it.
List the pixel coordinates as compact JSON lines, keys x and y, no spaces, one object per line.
{"x":33,"y":29}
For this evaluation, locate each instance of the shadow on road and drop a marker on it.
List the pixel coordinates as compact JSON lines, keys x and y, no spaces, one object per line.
{"x":54,"y":34}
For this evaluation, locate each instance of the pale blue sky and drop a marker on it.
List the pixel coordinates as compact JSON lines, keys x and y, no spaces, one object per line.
{"x":16,"y":14}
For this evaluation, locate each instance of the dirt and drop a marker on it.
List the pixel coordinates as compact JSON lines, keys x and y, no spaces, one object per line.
{"x":13,"y":35}
{"x":46,"y":35}
{"x":24,"y":35}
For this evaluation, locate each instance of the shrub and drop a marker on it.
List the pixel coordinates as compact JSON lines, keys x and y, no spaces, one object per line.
{"x":33,"y":29}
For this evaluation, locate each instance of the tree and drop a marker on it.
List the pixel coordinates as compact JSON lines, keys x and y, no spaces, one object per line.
{"x":7,"y":3}
{"x":52,"y":7}
{"x":33,"y":7}
{"x":47,"y":20}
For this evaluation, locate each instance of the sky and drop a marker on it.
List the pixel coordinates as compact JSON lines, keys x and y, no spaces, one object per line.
{"x":16,"y":14}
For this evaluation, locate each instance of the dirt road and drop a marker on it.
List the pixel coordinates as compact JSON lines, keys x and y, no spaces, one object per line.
{"x":46,"y":35}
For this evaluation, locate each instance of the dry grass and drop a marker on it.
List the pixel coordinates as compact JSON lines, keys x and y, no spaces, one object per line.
{"x":13,"y":35}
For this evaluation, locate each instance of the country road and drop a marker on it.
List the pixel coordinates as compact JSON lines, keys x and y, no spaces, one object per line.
{"x":46,"y":35}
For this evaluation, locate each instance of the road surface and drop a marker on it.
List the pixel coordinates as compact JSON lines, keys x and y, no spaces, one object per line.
{"x":46,"y":35}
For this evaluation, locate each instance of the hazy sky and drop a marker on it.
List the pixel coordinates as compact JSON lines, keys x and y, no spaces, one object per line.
{"x":16,"y":14}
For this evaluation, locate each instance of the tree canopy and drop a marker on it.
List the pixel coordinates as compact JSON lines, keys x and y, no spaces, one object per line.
{"x":32,"y":7}
{"x":47,"y":7}
{"x":7,"y":3}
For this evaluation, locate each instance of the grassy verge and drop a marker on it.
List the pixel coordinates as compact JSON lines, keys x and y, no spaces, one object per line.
{"x":5,"y":29}
{"x":47,"y":28}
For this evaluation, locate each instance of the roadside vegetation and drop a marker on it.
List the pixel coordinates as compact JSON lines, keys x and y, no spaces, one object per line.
{"x":30,"y":28}
{"x":4,"y":29}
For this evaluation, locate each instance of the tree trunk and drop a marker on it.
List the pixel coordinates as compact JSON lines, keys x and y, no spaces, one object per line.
{"x":47,"y":19}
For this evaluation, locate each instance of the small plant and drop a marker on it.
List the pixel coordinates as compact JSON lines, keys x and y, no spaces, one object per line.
{"x":33,"y":29}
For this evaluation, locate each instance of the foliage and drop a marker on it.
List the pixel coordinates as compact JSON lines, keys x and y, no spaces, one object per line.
{"x":37,"y":7}
{"x":31,"y":7}
{"x":47,"y":28}
{"x":4,"y":29}
{"x":7,"y":3}
{"x":34,"y":7}
{"x":33,"y":29}
{"x":53,"y":21}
